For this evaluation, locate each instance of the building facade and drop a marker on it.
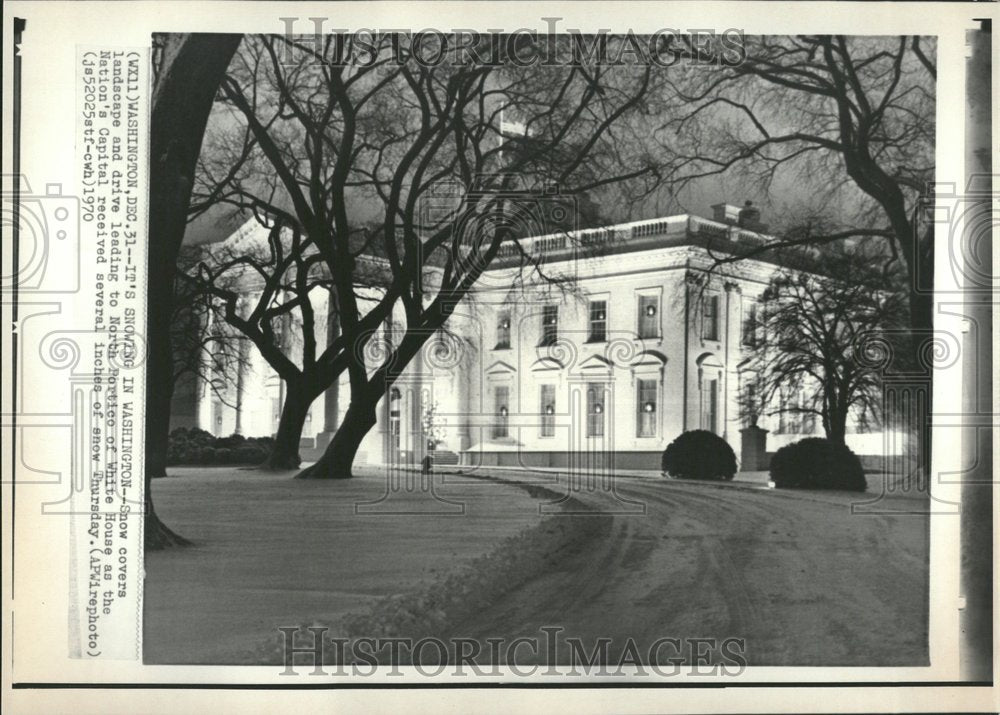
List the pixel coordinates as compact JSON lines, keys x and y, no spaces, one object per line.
{"x":635,"y":334}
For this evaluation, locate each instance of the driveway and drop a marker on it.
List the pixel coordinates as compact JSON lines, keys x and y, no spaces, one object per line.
{"x":798,"y":576}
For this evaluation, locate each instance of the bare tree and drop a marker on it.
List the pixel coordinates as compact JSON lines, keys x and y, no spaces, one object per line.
{"x":812,"y":330}
{"x":852,"y":118}
{"x":418,"y":166}
{"x":205,"y":350}
{"x":264,"y":293}
{"x":188,"y":71}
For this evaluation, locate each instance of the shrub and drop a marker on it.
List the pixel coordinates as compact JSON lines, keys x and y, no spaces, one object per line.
{"x":699,"y":454}
{"x":230,"y":442}
{"x":193,"y":435}
{"x":177,"y":454}
{"x":265,"y":443}
{"x":817,"y":463}
{"x":196,"y":446}
{"x":251,"y":454}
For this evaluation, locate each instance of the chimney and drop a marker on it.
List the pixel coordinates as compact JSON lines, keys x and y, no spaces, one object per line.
{"x":726,"y":213}
{"x":749,"y":217}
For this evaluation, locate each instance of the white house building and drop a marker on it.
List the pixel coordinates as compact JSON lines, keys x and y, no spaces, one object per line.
{"x":643,"y":337}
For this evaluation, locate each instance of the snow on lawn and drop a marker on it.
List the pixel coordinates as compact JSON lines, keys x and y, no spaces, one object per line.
{"x":271,"y":551}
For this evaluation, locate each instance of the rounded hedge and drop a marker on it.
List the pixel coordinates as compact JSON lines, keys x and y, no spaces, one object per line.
{"x":196,"y":446}
{"x":699,"y":454}
{"x":817,"y":463}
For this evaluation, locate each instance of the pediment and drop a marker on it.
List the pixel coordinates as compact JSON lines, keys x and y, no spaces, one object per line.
{"x":649,"y":358}
{"x":546,"y":363}
{"x":596,"y":362}
{"x":500,"y":367}
{"x":708,"y":360}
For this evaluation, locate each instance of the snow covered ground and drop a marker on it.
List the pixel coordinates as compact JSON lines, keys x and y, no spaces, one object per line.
{"x":272,"y":551}
{"x":798,"y":575}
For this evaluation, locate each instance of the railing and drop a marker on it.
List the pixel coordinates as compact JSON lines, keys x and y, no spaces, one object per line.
{"x":548,"y":245}
{"x":596,"y":238}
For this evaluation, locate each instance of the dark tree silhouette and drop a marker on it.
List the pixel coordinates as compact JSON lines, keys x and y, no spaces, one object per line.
{"x":188,"y":73}
{"x":263,"y":294}
{"x":853,"y":117}
{"x":427,"y":169}
{"x":814,"y":330}
{"x":206,"y":351}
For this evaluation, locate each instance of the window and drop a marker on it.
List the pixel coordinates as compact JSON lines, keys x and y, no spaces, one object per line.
{"x":710,"y":317}
{"x":795,"y":416}
{"x":275,"y":413}
{"x":598,"y":321}
{"x":395,"y":442}
{"x":764,"y":314}
{"x":646,"y":407}
{"x":503,"y":331}
{"x":790,"y":415}
{"x":501,"y":398}
{"x":649,"y":316}
{"x":217,"y":414}
{"x":782,"y":414}
{"x":550,"y":325}
{"x":809,"y":418}
{"x":798,"y":417}
{"x":547,"y":408}
{"x":595,"y":410}
{"x":750,"y":326}
{"x":710,"y":404}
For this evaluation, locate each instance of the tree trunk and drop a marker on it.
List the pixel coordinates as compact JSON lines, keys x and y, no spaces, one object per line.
{"x":241,"y":367}
{"x":192,"y":69}
{"x":157,"y":431}
{"x":836,"y":426}
{"x":337,"y":461}
{"x":285,"y":453}
{"x":331,"y":407}
{"x":922,"y":325}
{"x":156,"y":534}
